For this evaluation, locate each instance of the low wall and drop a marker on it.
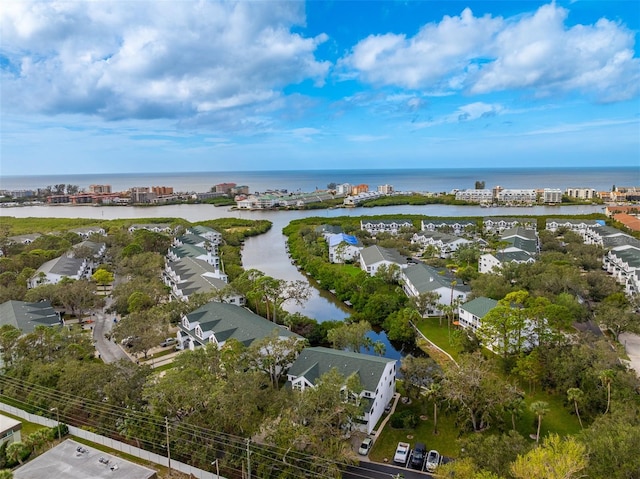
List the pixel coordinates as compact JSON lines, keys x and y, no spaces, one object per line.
{"x":112,"y":444}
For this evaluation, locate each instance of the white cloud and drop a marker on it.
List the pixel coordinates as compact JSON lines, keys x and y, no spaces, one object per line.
{"x":478,"y":55}
{"x":120,"y":59}
{"x":435,"y":53}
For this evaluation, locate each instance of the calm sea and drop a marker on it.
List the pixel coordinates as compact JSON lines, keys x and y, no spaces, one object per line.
{"x":434,"y":180}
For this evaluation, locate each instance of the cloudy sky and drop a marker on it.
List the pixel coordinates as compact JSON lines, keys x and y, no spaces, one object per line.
{"x":137,"y":85}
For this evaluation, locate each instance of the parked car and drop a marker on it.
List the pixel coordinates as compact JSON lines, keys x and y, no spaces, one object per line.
{"x":402,"y":453}
{"x":433,"y":459}
{"x":365,"y":446}
{"x":168,"y":342}
{"x":419,"y":453}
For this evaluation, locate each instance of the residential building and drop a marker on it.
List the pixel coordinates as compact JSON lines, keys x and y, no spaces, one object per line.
{"x":579,"y":226}
{"x":522,"y":238}
{"x":361,"y":188}
{"x":162,"y":190}
{"x":188,"y":276}
{"x":493,"y":262}
{"x":209,"y":234}
{"x":443,"y":242}
{"x":155,"y":227}
{"x":372,"y":257}
{"x":517,"y":196}
{"x":65,"y":266}
{"x":100,"y":189}
{"x":385,"y":189}
{"x":630,"y":222}
{"x":218,"y":323}
{"x":344,"y":189}
{"x":581,"y":193}
{"x":59,"y":199}
{"x":421,"y":278}
{"x":623,"y":263}
{"x":377,"y":376}
{"x":141,"y":194}
{"x":225,"y":188}
{"x":552,"y":195}
{"x":89,"y":231}
{"x":470,"y":314}
{"x":457,"y":227}
{"x":344,"y":248}
{"x":499,"y":224}
{"x":9,"y":430}
{"x":608,"y":237}
{"x":384,"y":226}
{"x":28,"y":316}
{"x":186,"y":250}
{"x":24,"y":239}
{"x":475,"y":196}
{"x":353,"y":200}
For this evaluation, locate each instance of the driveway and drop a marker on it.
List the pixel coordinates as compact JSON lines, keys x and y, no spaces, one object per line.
{"x":109,"y":351}
{"x":632,"y":346}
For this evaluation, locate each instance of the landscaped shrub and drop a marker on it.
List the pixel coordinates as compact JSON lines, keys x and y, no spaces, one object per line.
{"x":404,"y":420}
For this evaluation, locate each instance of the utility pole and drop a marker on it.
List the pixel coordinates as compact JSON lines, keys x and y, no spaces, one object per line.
{"x":166,"y":427}
{"x":58,"y":422}
{"x":248,"y":460}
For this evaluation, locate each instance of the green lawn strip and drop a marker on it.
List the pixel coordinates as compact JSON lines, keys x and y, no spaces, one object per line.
{"x":164,"y":367}
{"x":161,"y":353}
{"x":440,"y":335}
{"x":445,"y":441}
{"x":558,"y":420}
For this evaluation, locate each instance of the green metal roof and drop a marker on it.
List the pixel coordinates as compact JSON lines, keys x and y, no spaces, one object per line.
{"x":479,"y":307}
{"x":314,"y":362}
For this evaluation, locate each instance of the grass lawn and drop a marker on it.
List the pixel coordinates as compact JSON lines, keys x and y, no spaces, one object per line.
{"x":444,"y":441}
{"x":441,"y":336}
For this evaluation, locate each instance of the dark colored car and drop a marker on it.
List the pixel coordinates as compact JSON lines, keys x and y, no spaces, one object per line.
{"x":419,"y":453}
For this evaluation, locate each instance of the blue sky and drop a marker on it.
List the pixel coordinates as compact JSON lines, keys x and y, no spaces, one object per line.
{"x":135,"y":86}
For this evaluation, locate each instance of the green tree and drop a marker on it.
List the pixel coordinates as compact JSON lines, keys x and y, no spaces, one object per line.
{"x":556,"y":458}
{"x":398,"y":325}
{"x":17,"y":452}
{"x":425,"y":302}
{"x":351,"y":336}
{"x":418,"y":373}
{"x":606,"y":378}
{"x":540,"y":409}
{"x":576,"y":396}
{"x":103,"y":277}
{"x":274,"y":355}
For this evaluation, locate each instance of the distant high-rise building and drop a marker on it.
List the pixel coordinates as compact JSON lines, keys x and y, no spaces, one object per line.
{"x":581,"y":193}
{"x":385,"y":189}
{"x":162,"y":190}
{"x":224,"y":188}
{"x":100,"y":189}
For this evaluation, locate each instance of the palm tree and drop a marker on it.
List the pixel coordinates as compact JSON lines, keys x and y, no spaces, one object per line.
{"x":606,"y":377}
{"x":576,"y":395}
{"x":539,"y":408}
{"x":515,"y":407}
{"x":433,"y":392}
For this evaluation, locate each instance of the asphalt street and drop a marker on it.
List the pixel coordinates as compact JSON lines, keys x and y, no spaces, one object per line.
{"x":109,"y":351}
{"x":373,"y":470}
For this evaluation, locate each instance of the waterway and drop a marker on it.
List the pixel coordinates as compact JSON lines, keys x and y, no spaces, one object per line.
{"x":267,"y":252}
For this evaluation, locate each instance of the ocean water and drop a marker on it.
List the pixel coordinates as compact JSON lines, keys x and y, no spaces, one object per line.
{"x":433,"y":180}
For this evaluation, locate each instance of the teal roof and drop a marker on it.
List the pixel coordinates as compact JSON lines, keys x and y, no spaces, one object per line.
{"x":314,"y":362}
{"x":479,"y":307}
{"x":188,"y":251}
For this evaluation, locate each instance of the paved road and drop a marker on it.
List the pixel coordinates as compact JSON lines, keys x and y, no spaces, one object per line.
{"x":373,"y":470}
{"x":632,"y":346}
{"x":109,"y":351}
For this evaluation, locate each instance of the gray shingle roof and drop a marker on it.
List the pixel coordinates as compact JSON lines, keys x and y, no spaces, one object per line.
{"x":27,"y":316}
{"x":375,"y":254}
{"x":314,"y":362}
{"x":425,"y":278}
{"x":231,"y":321}
{"x":188,"y":251}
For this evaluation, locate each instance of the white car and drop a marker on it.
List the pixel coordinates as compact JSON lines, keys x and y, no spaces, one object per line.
{"x":402,"y":453}
{"x":365,"y":447}
{"x":433,"y":460}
